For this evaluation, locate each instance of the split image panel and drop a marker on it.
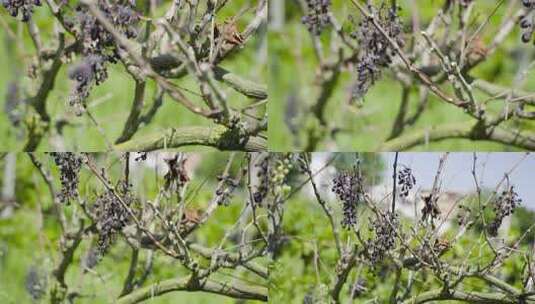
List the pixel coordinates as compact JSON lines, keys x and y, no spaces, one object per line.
{"x":142,"y":160}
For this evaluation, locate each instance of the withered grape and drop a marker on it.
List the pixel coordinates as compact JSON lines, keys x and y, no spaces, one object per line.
{"x":503,"y":206}
{"x":263,"y":180}
{"x":69,"y":165}
{"x":25,"y":7}
{"x":317,"y":17}
{"x":99,"y":46}
{"x":112,"y":216}
{"x":527,"y":21}
{"x":384,"y":228}
{"x":348,"y":187}
{"x":406,"y":181}
{"x":375,"y":50}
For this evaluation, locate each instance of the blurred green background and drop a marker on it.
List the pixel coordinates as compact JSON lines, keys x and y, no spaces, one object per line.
{"x":29,"y":237}
{"x":111,"y":101}
{"x":293,"y":67}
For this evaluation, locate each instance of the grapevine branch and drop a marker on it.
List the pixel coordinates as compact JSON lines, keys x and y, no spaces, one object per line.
{"x":218,"y":137}
{"x":234,"y":290}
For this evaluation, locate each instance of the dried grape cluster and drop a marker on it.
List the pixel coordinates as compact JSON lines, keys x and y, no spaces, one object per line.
{"x":317,"y":17}
{"x":94,"y":36}
{"x":99,"y":46}
{"x":406,"y":181}
{"x":262,"y":174}
{"x":348,"y":187}
{"x":527,"y":22}
{"x":504,"y":206}
{"x":24,"y":6}
{"x":375,"y":50}
{"x":384,"y":227}
{"x":111,"y":216}
{"x":69,"y":165}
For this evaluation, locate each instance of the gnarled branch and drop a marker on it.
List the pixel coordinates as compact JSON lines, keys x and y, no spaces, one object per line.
{"x":219,"y":137}
{"x":233,"y":290}
{"x":467,"y":130}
